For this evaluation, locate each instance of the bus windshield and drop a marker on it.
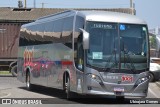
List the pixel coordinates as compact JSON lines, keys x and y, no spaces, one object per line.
{"x":116,"y":45}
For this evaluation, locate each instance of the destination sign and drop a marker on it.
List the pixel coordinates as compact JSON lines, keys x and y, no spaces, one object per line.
{"x":103,"y":25}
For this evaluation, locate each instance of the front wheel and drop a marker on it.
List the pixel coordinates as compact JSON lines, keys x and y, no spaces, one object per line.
{"x":69,"y":94}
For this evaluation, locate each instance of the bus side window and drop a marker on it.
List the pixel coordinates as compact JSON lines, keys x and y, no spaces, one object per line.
{"x":75,"y":53}
{"x":78,"y":47}
{"x":80,"y":53}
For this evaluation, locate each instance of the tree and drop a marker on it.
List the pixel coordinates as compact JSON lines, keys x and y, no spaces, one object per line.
{"x":153,"y":42}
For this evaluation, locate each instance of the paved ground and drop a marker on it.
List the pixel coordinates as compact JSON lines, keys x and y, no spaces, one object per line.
{"x":158,"y":83}
{"x":10,"y":87}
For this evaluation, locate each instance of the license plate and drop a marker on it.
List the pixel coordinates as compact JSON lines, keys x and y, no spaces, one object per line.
{"x":118,"y":89}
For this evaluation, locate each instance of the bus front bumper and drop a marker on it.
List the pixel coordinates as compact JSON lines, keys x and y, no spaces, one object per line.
{"x":130,"y":90}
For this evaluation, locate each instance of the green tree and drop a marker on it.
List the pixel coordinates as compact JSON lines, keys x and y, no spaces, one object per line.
{"x":152,"y":41}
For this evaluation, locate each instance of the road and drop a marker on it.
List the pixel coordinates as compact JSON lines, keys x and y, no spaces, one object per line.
{"x":10,"y":87}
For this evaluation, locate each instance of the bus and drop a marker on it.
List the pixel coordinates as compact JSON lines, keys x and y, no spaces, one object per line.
{"x":86,"y":52}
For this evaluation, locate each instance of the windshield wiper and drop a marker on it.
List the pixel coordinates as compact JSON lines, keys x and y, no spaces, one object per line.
{"x":131,"y":67}
{"x":109,"y":60}
{"x":115,"y":63}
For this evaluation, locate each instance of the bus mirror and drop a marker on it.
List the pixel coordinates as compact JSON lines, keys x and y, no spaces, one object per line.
{"x":85,"y":39}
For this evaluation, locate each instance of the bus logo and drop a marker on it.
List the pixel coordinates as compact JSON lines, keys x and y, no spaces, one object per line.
{"x":127,"y":78}
{"x":122,"y":27}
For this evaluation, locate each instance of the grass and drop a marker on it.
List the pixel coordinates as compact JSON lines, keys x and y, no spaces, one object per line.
{"x":5,"y":73}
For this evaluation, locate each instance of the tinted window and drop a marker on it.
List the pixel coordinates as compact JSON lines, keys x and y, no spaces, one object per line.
{"x":79,"y":23}
{"x":58,"y":25}
{"x":26,"y":42}
{"x":49,"y":32}
{"x":68,"y":24}
{"x":78,"y":49}
{"x":49,"y":26}
{"x":67,"y":31}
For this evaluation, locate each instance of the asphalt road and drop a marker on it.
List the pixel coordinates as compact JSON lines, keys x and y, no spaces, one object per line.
{"x":10,"y":87}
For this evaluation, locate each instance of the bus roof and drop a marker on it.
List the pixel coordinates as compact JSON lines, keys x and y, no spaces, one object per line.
{"x":93,"y":15}
{"x":107,"y":16}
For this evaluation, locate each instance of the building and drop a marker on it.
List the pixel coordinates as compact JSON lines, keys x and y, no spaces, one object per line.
{"x":155,"y":31}
{"x":11,"y":20}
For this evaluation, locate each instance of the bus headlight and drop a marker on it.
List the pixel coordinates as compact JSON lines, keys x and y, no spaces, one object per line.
{"x":141,"y":80}
{"x":95,"y":77}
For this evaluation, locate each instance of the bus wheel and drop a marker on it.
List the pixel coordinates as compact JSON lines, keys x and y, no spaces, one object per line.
{"x":151,"y":77}
{"x":67,"y":89}
{"x":29,"y":86}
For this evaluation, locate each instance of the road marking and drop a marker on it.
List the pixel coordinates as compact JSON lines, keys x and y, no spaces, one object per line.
{"x":153,"y":93}
{"x":6,"y":95}
{"x":5,"y":89}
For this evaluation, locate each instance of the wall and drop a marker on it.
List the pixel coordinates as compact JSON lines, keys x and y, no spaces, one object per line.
{"x":9,"y":33}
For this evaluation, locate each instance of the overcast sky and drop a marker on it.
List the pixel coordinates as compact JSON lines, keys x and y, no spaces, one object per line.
{"x":145,"y":9}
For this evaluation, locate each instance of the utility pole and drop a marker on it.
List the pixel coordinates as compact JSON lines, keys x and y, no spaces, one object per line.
{"x":25,"y":4}
{"x":43,"y":4}
{"x":132,"y":6}
{"x":34,"y":3}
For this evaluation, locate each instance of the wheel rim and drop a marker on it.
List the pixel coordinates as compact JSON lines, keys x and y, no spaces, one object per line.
{"x":150,"y":77}
{"x":67,"y":86}
{"x":28,"y":82}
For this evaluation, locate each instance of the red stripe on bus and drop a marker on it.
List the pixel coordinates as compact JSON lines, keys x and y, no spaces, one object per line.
{"x":67,"y":62}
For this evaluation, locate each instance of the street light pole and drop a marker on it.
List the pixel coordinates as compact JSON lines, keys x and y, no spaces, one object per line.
{"x":42,"y":5}
{"x":131,"y":3}
{"x":34,"y":3}
{"x":25,"y":4}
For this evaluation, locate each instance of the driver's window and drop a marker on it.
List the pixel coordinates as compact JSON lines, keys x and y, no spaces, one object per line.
{"x":80,"y":53}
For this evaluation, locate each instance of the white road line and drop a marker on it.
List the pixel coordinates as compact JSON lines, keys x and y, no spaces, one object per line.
{"x":9,"y":94}
{"x":153,"y":93}
{"x":5,"y":89}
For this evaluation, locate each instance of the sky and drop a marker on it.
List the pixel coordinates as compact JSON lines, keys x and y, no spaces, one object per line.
{"x":145,"y":9}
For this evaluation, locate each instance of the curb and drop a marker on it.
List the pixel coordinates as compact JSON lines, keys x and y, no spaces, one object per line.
{"x":6,"y":75}
{"x":158,"y":84}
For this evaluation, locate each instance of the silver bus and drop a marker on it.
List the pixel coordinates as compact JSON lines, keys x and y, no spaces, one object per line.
{"x":86,"y":52}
